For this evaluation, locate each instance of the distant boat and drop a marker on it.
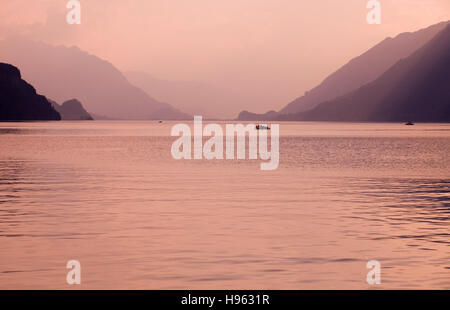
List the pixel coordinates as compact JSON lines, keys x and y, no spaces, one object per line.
{"x":409,"y":124}
{"x":261,"y":127}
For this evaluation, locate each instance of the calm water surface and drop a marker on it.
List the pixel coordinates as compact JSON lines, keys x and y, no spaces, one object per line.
{"x":110,"y":195}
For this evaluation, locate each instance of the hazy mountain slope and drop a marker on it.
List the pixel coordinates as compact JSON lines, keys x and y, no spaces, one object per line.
{"x":62,"y":72}
{"x":19,"y":100}
{"x":193,"y":97}
{"x":364,"y":68}
{"x":415,"y":88}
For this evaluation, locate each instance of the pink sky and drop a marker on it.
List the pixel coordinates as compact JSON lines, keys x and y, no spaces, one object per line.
{"x":271,"y":51}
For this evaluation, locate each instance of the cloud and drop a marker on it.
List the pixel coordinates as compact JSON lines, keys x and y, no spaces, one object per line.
{"x":41,"y":20}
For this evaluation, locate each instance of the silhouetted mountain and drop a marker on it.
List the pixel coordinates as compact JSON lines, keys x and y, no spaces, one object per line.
{"x":415,"y":88}
{"x":61,"y":72}
{"x":72,"y":110}
{"x":19,"y":100}
{"x":363,"y":69}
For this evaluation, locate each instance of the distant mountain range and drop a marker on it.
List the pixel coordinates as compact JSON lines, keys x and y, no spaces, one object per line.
{"x":400,"y":79}
{"x":359,"y":72}
{"x":61,"y":72}
{"x":19,"y":100}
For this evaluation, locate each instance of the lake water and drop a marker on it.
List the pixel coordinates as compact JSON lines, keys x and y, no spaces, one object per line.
{"x":109,"y":195}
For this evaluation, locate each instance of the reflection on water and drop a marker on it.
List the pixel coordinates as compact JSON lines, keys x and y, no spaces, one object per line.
{"x":109,"y":195}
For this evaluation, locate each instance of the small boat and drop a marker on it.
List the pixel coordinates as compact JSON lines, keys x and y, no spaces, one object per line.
{"x":261,"y":127}
{"x":409,"y":124}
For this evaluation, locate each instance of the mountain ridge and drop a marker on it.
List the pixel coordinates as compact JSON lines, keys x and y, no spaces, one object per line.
{"x":68,"y":72}
{"x":354,"y":74}
{"x":415,"y":88}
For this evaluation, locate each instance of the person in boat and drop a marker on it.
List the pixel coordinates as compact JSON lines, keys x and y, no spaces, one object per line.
{"x":258,"y":127}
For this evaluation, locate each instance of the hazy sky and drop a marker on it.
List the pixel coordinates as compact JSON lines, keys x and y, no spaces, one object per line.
{"x":270,"y":51}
